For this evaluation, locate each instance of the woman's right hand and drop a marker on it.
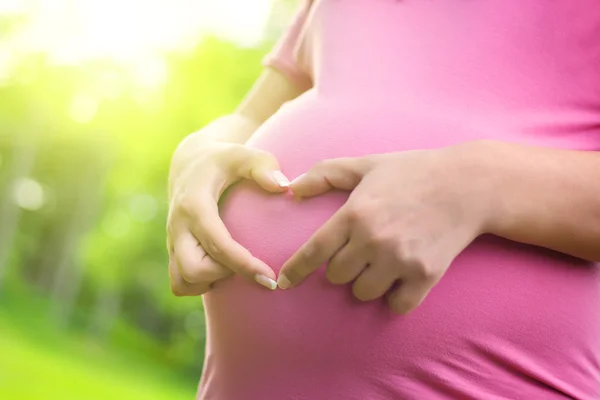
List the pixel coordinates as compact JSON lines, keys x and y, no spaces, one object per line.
{"x":201,"y":250}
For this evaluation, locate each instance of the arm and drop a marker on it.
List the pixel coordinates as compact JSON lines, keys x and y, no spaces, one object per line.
{"x":201,"y":251}
{"x":281,"y":81}
{"x":545,"y":197}
{"x":270,"y":91}
{"x":417,"y":210}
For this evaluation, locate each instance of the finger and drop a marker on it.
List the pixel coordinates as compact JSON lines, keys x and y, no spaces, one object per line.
{"x":179,"y":287}
{"x":409,"y":295}
{"x":373,"y":282}
{"x":338,"y":173}
{"x":262,"y":167}
{"x":315,"y":252}
{"x":213,"y":236}
{"x":346,"y":265}
{"x":195,"y":265}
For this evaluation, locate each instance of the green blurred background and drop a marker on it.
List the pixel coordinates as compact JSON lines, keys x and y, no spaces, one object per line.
{"x":94,"y":97}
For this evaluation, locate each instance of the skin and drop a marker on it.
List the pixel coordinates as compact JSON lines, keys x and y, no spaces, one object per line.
{"x":408,"y":216}
{"x":411,"y":213}
{"x":201,"y":251}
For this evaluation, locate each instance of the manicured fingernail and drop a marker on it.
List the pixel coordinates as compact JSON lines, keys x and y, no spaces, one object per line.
{"x":266,"y":281}
{"x":280,"y":178}
{"x":283,"y":282}
{"x":296,"y":179}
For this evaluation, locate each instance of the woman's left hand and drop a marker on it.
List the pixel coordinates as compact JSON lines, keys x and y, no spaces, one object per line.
{"x":408,"y":216}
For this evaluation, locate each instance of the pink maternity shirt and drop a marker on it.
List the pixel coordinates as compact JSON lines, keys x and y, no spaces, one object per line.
{"x":507,"y":321}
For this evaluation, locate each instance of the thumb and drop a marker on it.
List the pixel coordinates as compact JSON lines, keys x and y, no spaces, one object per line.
{"x":337,"y":173}
{"x":263,"y":168}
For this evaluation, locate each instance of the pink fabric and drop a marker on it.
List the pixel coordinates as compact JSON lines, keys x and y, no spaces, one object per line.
{"x":507,"y":321}
{"x":283,"y":57}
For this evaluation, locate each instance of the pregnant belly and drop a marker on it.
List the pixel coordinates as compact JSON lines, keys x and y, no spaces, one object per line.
{"x":506,"y":319}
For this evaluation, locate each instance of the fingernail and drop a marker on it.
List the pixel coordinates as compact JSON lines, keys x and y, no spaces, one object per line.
{"x":283,"y":282}
{"x":280,"y":178}
{"x":266,"y":281}
{"x":296,"y":179}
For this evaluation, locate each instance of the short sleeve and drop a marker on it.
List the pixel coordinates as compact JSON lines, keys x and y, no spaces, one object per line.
{"x":283,"y":55}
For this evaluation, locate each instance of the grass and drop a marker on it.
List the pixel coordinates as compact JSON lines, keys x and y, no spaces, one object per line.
{"x":39,"y":362}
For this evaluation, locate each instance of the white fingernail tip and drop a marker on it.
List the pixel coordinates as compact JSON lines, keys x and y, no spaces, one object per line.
{"x":281,"y":179}
{"x":266,"y":282}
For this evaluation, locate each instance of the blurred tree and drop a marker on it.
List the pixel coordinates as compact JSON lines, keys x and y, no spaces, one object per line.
{"x":96,"y":138}
{"x":88,"y":188}
{"x":20,"y":167}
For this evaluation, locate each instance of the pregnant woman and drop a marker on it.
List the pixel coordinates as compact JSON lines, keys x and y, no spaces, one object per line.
{"x":441,"y":236}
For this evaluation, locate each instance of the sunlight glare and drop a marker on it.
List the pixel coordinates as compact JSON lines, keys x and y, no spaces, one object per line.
{"x":151,"y":72}
{"x":111,"y":85}
{"x":132,"y":34}
{"x":11,"y":7}
{"x":7,"y":64}
{"x":240,"y":21}
{"x":83,"y":108}
{"x":126,"y":31}
{"x":29,"y":194}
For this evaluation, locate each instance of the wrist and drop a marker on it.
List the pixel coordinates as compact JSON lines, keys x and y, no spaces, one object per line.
{"x":229,"y":129}
{"x":232,"y":128}
{"x":485,"y":182}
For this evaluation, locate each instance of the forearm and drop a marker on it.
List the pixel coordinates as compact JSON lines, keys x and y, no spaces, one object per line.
{"x":545,"y":197}
{"x":270,"y":91}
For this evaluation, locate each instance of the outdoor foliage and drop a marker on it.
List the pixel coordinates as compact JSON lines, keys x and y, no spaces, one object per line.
{"x":85,"y":305}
